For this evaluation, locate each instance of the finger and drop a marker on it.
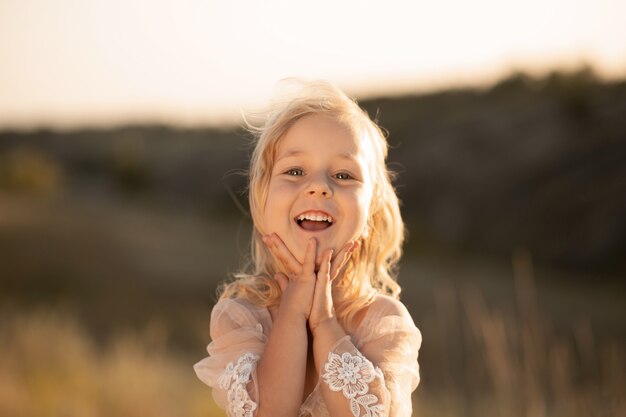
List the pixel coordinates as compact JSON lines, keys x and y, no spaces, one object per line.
{"x":323,"y":273}
{"x":342,"y":258}
{"x":282,"y":280}
{"x":308,"y":266}
{"x":282,"y":253}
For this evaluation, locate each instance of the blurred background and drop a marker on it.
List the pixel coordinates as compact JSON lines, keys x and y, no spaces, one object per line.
{"x":122,"y":198}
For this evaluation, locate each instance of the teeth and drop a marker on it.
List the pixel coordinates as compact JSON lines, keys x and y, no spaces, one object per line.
{"x":317,"y":218}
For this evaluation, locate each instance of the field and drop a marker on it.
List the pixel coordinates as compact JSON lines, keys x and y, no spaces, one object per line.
{"x":112,"y":244}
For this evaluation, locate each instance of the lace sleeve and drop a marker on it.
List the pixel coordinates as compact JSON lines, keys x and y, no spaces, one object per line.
{"x":234,"y":380}
{"x":392,"y":342}
{"x":378,"y":373}
{"x":349,"y":372}
{"x":230,"y":369}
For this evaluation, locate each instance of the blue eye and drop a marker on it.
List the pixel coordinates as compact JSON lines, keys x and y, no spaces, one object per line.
{"x":294,"y":172}
{"x":343,"y":176}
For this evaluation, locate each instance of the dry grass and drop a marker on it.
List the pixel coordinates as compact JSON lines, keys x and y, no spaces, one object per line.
{"x":516,"y":362}
{"x":50,"y":367}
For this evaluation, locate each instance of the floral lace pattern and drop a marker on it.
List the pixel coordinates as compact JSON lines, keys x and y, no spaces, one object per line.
{"x":352,"y":374}
{"x":234,"y":379}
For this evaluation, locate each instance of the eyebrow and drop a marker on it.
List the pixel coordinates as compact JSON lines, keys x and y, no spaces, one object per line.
{"x":297,"y":152}
{"x":348,"y":156}
{"x":289,"y":154}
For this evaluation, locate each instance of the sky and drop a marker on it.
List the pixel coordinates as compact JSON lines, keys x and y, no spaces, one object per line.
{"x":77,"y":63}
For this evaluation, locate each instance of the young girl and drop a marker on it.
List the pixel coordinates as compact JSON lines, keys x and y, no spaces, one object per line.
{"x":316,"y":328}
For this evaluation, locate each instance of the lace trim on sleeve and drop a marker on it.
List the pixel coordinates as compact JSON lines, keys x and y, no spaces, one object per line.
{"x":352,"y":374}
{"x":235,"y":378}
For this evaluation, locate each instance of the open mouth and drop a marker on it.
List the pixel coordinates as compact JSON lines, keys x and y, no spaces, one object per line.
{"x":314,"y":222}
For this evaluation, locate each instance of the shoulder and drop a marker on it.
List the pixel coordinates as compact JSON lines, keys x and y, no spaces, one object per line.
{"x":384,"y":305}
{"x":381,"y":306}
{"x":237,"y":303}
{"x":388,"y":321}
{"x":235,"y":312}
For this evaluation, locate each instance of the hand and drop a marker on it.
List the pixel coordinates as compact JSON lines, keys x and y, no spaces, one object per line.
{"x":298,"y":284}
{"x":310,"y":292}
{"x":322,"y":308}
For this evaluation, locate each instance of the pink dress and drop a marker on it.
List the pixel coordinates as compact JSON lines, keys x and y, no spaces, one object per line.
{"x":383,"y":349}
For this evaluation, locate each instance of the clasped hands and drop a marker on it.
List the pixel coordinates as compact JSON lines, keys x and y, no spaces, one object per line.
{"x":306,"y":291}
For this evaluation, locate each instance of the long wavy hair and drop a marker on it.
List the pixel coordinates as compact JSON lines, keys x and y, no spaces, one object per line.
{"x":372,"y":268}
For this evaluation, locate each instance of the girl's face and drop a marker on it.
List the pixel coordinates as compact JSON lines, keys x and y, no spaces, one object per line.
{"x":320,"y":186}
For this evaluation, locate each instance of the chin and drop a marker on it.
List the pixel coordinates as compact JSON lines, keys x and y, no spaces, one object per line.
{"x":320,"y":252}
{"x":301,"y":251}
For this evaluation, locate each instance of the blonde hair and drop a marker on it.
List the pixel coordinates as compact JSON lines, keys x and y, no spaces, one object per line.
{"x":372,"y":268}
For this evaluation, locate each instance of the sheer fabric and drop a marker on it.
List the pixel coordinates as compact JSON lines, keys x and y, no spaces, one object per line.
{"x":375,"y":366}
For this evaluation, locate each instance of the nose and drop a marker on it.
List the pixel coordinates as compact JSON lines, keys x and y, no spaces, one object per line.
{"x":319,"y":186}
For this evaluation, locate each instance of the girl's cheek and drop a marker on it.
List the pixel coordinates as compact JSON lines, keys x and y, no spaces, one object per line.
{"x":298,"y":250}
{"x":284,"y":189}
